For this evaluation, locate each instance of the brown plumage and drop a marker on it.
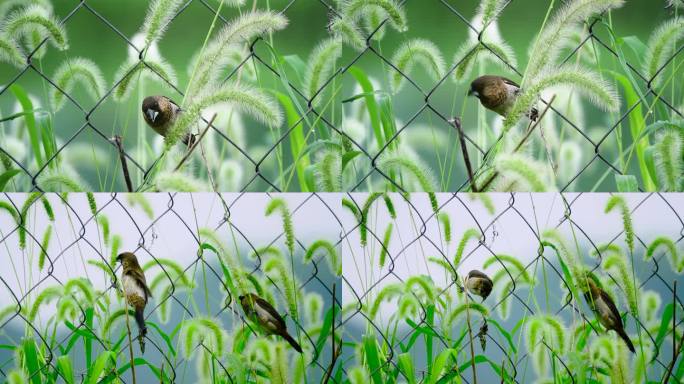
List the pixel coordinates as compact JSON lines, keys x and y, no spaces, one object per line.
{"x":498,"y":94}
{"x":606,"y":311}
{"x":263,"y":313}
{"x":160,"y":114}
{"x":479,"y":284}
{"x":136,"y":291}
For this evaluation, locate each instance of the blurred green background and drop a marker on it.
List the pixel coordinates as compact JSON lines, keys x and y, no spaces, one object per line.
{"x":96,"y":30}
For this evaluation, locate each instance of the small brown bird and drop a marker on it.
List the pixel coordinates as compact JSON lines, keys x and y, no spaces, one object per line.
{"x":160,"y":114}
{"x":498,"y":94}
{"x":136,"y":291}
{"x":479,"y":284}
{"x":263,"y":313}
{"x":608,"y":314}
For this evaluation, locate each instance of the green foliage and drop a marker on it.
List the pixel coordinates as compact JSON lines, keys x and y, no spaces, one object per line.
{"x":77,"y":70}
{"x":660,"y":47}
{"x":412,"y":52}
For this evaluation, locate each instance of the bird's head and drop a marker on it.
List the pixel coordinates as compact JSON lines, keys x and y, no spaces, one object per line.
{"x":479,"y":86}
{"x":126,"y":257}
{"x":154,"y":108}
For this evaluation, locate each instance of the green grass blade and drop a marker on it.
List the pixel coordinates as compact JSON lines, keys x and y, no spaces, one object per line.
{"x":371,"y":104}
{"x":32,"y":360}
{"x":30,"y":119}
{"x":65,"y":369}
{"x":297,"y":139}
{"x":370,"y":348}
{"x":637,"y":123}
{"x":6,"y":177}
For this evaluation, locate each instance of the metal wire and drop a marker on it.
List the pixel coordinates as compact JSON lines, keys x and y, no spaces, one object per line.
{"x":516,"y":221}
{"x":180,"y":220}
{"x":601,"y":157}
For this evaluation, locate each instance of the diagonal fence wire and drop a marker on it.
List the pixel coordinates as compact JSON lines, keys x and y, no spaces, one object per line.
{"x":258,"y":56}
{"x":165,"y":234}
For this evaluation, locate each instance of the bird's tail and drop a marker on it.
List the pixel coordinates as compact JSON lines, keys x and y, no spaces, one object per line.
{"x":533,"y":114}
{"x":623,"y":336}
{"x":140,"y":320}
{"x":292,"y":341}
{"x":189,"y":139}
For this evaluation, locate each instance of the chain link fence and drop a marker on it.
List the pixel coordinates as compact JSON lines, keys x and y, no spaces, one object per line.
{"x":64,"y":292}
{"x":422,"y":103}
{"x":405,"y":300}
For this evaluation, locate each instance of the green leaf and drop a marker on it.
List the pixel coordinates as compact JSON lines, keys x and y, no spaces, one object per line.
{"x":297,"y":139}
{"x":505,"y":334}
{"x":663,"y":330}
{"x":626,"y":183}
{"x":65,"y":369}
{"x":167,"y":339}
{"x":637,"y":124}
{"x":7,"y":176}
{"x":440,"y":364}
{"x":98,"y":368}
{"x":371,"y":104}
{"x":370,"y":348}
{"x":405,"y":364}
{"x":326,"y":328}
{"x":32,"y":360}
{"x":349,"y":156}
{"x":30,"y":119}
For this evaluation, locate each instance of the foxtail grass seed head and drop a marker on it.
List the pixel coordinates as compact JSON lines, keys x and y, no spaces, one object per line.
{"x":35,"y":18}
{"x":243,"y":98}
{"x":77,"y":70}
{"x":159,"y":15}
{"x":133,"y":70}
{"x":241,"y":30}
{"x":660,"y":47}
{"x":356,"y":9}
{"x":320,"y":66}
{"x":416,"y":51}
{"x":545,"y":48}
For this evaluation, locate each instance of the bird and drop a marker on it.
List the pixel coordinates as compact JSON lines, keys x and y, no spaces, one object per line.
{"x":160,"y":113}
{"x":478,"y":283}
{"x":498,"y":94}
{"x":263,"y":313}
{"x":135,"y":290}
{"x":606,"y":311}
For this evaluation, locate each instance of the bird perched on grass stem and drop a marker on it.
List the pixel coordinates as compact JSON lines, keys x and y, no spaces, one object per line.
{"x":135,"y":290}
{"x":498,"y":94}
{"x":478,"y":284}
{"x":263,"y":313}
{"x":606,"y":311}
{"x":160,"y":114}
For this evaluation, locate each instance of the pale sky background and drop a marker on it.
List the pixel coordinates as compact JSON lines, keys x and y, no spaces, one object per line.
{"x":77,"y":239}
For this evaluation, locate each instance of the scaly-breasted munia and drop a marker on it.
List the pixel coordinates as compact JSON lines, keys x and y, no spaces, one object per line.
{"x":498,"y":94}
{"x":263,"y":313}
{"x":160,"y":114}
{"x":135,"y":290}
{"x":479,"y":284}
{"x":606,"y":311}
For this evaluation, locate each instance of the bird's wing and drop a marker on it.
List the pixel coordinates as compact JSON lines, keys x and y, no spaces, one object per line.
{"x":139,"y":278}
{"x":510,"y":82}
{"x":173,"y":102}
{"x":272,"y":311}
{"x":609,"y":303}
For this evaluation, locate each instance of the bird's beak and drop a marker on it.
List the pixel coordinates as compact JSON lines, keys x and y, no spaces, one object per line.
{"x":152,"y":114}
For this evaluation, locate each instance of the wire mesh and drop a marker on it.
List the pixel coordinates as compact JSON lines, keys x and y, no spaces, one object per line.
{"x":384,"y":302}
{"x":179,"y":240}
{"x":427,"y":99}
